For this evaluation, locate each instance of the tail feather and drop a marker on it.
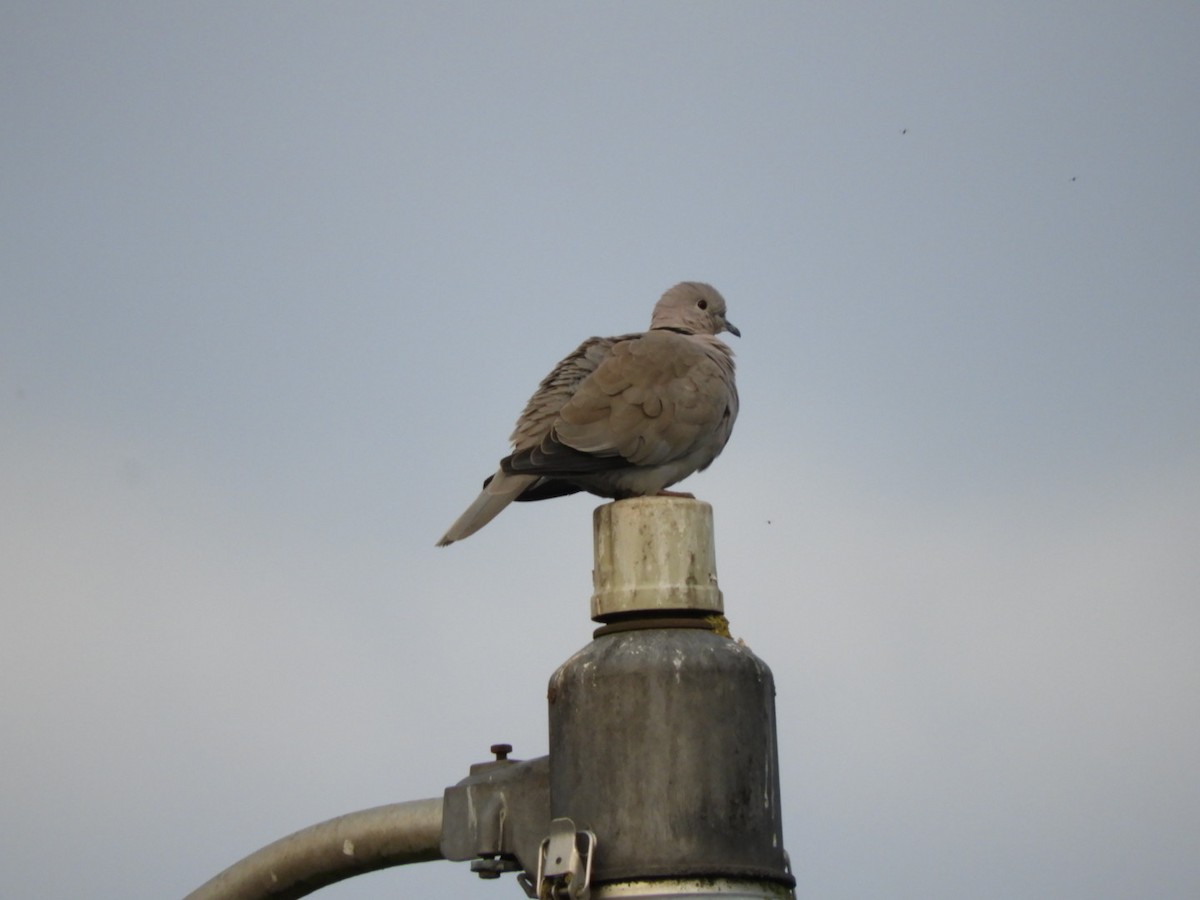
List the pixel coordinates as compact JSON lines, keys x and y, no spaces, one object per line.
{"x":499,"y":491}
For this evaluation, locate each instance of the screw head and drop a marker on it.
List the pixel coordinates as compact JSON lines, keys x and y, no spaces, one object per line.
{"x":501,"y":750}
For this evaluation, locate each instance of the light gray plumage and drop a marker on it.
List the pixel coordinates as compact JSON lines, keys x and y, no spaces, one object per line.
{"x":624,"y":416}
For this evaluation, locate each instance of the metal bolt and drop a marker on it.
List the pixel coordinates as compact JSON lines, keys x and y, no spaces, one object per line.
{"x":492,"y":866}
{"x":501,"y":750}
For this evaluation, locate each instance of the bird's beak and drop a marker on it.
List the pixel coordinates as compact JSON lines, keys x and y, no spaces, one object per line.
{"x":732,"y":329}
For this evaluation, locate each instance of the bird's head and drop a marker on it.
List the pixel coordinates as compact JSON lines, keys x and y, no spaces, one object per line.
{"x":693,"y":307}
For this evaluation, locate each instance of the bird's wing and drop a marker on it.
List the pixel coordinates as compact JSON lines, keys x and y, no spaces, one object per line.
{"x":534,"y":424}
{"x":654,"y":398}
{"x":557,"y":388}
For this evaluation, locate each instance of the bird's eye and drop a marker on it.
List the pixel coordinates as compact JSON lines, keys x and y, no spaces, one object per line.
{"x":702,"y":303}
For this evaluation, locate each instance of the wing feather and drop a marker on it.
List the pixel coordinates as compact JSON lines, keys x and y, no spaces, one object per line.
{"x":652,"y":399}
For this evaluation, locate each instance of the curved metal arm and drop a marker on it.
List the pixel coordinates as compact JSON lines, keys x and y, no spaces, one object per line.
{"x":310,"y":859}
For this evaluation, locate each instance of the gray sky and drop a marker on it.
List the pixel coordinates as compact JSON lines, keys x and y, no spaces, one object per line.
{"x":277,"y":279}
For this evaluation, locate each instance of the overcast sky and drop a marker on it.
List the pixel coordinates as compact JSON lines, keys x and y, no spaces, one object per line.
{"x":278,"y":278}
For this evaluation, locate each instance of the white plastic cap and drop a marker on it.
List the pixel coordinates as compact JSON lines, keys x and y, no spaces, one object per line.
{"x":654,"y":554}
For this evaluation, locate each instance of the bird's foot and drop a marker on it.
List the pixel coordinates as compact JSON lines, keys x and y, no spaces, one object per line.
{"x":684,"y":494}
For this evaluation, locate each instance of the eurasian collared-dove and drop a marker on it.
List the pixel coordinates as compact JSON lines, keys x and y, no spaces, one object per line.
{"x":622,"y":416}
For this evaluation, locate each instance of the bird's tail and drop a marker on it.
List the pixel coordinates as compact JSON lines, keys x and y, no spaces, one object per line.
{"x":498,"y":491}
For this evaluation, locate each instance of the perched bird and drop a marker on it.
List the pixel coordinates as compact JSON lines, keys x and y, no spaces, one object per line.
{"x":624,"y":416}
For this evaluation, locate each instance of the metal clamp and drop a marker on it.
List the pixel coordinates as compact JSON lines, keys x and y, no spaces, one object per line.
{"x":564,"y":869}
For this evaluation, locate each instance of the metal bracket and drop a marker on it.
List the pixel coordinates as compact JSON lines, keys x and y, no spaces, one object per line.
{"x":496,"y":817}
{"x":564,"y":869}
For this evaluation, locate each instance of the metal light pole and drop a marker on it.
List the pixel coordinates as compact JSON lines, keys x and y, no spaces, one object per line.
{"x":662,"y":779}
{"x":662,"y":729}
